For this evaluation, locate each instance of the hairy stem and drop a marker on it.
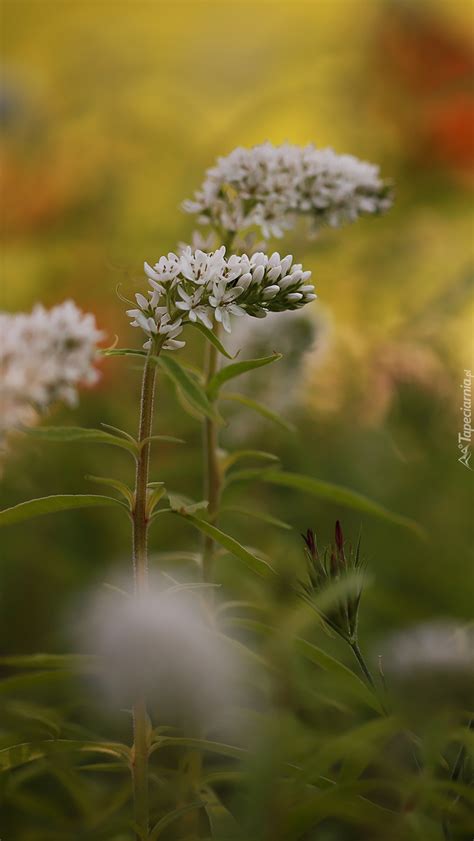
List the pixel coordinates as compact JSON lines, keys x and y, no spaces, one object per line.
{"x":140,"y":567}
{"x":212,"y":480}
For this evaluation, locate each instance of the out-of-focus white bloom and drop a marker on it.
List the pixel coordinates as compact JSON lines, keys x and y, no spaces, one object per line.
{"x":430,"y":669}
{"x":430,"y":647}
{"x":303,"y":339}
{"x":162,"y":644}
{"x":44,"y":356}
{"x":268,"y":186}
{"x":200,"y":286}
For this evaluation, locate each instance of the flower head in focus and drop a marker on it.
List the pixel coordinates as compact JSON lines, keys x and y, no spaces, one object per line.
{"x":45,"y":355}
{"x":269,"y":186}
{"x":197,"y":286}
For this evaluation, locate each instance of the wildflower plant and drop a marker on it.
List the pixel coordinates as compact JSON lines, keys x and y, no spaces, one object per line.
{"x":45,"y":355}
{"x":261,"y":191}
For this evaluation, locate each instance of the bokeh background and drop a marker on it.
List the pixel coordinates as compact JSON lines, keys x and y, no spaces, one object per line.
{"x":111,"y":111}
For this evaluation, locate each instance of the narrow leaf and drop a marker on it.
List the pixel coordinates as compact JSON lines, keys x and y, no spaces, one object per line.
{"x":250,"y":474}
{"x":201,"y":744}
{"x":257,"y":565}
{"x":192,"y":391}
{"x":211,"y":337}
{"x":239,"y":455}
{"x":319,"y":657}
{"x":339,"y":495}
{"x":28,"y":751}
{"x":168,"y":819}
{"x":124,"y":351}
{"x":52,"y":504}
{"x":262,"y":410}
{"x":120,"y":432}
{"x":235,"y":370}
{"x":116,"y":484}
{"x":67,"y":434}
{"x":49,"y":661}
{"x":328,"y":663}
{"x":166,"y":438}
{"x":258,"y":515}
{"x":183,"y":505}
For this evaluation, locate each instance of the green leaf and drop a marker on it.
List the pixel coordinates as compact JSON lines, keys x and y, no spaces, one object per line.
{"x":339,"y":495}
{"x":321,"y":658}
{"x":218,"y":748}
{"x":258,"y":515}
{"x":235,"y":370}
{"x":357,"y":688}
{"x":222,"y":821}
{"x":168,"y":819}
{"x":154,"y":496}
{"x":211,"y":337}
{"x":124,"y":351}
{"x":167,"y":438}
{"x":332,"y":803}
{"x":52,"y":504}
{"x":257,"y":565}
{"x":116,"y":484}
{"x":46,"y":717}
{"x":250,"y":474}
{"x":183,"y":505}
{"x":192,"y":391}
{"x":239,"y":455}
{"x":262,"y":410}
{"x":20,"y":754}
{"x":120,"y":432}
{"x":66,"y":434}
{"x":49,"y":661}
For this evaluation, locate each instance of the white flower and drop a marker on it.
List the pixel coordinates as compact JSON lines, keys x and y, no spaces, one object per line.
{"x":200,"y":286}
{"x":269,"y":186}
{"x":430,"y":669}
{"x":44,"y":356}
{"x":161,"y":643}
{"x":430,"y":647}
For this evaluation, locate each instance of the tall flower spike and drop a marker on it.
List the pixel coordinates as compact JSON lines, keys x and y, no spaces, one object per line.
{"x":45,"y":355}
{"x":269,"y":186}
{"x":210,"y":287}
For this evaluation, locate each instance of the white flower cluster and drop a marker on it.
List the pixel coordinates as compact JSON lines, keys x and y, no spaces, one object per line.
{"x":269,"y":186}
{"x":197,"y":286}
{"x":44,"y":356}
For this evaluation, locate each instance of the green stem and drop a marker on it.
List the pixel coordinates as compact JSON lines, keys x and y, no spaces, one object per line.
{"x":213,"y":482}
{"x":363,"y":665}
{"x":212,"y":474}
{"x":140,"y":567}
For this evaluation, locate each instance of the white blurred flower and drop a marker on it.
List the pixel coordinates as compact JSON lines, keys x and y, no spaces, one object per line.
{"x":268,"y":186}
{"x":430,"y":647}
{"x":199,"y":286}
{"x":45,"y":355}
{"x":303,"y":339}
{"x":430,"y":669}
{"x":161,"y":643}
